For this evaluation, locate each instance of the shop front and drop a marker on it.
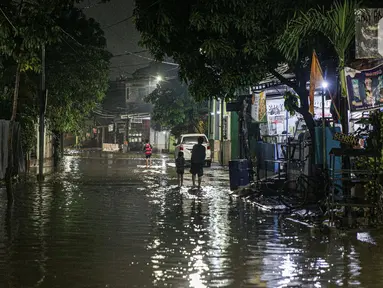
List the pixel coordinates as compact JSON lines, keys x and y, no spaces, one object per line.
{"x":278,"y":129}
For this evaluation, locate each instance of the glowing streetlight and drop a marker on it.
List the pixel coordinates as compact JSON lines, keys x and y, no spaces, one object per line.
{"x":324,"y":155}
{"x":159,"y":78}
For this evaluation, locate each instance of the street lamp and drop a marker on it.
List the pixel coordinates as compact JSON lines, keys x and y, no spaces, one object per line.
{"x":159,"y":78}
{"x":324,"y":86}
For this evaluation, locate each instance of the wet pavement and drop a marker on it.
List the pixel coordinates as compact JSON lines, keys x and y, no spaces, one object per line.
{"x":112,"y":223}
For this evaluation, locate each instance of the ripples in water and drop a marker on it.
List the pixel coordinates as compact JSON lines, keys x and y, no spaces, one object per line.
{"x":111,"y":224}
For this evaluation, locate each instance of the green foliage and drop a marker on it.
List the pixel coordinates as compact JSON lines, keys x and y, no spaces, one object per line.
{"x":219,"y":46}
{"x":27,"y":109}
{"x":336,"y":24}
{"x":225,"y":45}
{"x":374,"y":187}
{"x":77,"y":72}
{"x":175,"y":108}
{"x":291,"y":102}
{"x":76,"y":63}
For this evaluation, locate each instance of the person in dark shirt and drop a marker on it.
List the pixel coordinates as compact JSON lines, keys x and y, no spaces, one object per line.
{"x":198,"y":161}
{"x":180,"y":165}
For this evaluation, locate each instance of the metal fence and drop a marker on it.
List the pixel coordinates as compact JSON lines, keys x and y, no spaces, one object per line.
{"x":18,"y":154}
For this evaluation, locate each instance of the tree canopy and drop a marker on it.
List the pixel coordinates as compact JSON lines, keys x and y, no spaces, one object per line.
{"x":175,"y":108}
{"x":76,"y":62}
{"x":77,"y":72}
{"x":220,"y":45}
{"x":223,"y":45}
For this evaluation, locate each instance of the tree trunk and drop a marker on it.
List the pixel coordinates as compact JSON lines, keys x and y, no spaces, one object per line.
{"x":56,"y":148}
{"x":344,"y":108}
{"x":61,"y":145}
{"x":309,"y":120}
{"x":9,"y":172}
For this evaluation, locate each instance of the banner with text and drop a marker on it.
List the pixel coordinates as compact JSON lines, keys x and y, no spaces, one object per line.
{"x":365,"y":88}
{"x":258,"y":109}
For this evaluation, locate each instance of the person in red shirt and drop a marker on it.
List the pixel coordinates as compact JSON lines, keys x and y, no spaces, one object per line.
{"x":148,"y":153}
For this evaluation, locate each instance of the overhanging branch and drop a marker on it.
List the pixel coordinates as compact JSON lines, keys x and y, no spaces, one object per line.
{"x":284,"y":80}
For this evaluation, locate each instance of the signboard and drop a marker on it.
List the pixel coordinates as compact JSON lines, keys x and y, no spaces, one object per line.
{"x":365,"y":88}
{"x":318,"y":108}
{"x":110,"y":127}
{"x":258,"y":108}
{"x":346,"y":139}
{"x":368,"y":34}
{"x":110,"y":147}
{"x":224,"y":127}
{"x":280,"y":121}
{"x":136,"y":120}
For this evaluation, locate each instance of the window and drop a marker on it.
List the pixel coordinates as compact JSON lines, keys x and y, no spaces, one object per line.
{"x":192,"y":139}
{"x":127,"y":93}
{"x":142,"y":92}
{"x":211,"y":128}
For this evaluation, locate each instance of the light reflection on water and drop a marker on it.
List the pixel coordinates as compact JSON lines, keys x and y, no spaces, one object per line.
{"x":127,"y":226}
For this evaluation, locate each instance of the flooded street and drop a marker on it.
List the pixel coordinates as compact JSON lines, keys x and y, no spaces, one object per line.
{"x":109,"y":223}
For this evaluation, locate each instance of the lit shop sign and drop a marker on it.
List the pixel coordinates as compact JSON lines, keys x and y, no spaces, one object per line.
{"x":346,"y":139}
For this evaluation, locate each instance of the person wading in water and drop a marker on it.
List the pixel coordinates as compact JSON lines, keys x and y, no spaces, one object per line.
{"x":148,"y":153}
{"x":198,"y":161}
{"x":180,"y":165}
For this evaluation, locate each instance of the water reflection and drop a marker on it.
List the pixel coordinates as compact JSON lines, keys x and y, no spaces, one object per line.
{"x":125,"y":226}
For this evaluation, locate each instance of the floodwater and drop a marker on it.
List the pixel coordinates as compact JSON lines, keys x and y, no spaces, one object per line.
{"x":108,"y":223}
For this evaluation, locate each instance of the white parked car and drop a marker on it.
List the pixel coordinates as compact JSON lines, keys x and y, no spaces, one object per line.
{"x":185,"y":144}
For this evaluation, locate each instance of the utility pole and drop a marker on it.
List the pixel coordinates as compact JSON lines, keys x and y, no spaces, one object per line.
{"x":115,"y":131}
{"x":222,"y":146}
{"x":42,"y":115}
{"x":127,"y":132}
{"x":324,"y":148}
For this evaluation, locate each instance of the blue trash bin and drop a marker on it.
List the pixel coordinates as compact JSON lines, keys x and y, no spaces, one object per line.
{"x":239,"y":173}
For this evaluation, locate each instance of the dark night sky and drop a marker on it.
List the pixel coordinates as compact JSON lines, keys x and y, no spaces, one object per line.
{"x":121,"y":38}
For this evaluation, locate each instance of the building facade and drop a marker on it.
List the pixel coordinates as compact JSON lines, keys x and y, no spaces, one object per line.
{"x":125,"y":117}
{"x":218,"y":132}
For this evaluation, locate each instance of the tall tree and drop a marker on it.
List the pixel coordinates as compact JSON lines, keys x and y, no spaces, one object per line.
{"x":24,"y":28}
{"x":337,"y":25}
{"x":77,"y":66}
{"x":77,"y":76}
{"x":223,"y":45}
{"x":175,"y":108}
{"x":77,"y":71}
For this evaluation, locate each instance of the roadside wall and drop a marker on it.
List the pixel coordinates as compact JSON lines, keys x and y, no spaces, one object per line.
{"x":19,"y":159}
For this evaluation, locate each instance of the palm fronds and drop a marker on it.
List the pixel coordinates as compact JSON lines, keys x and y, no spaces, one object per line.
{"x":337,"y":24}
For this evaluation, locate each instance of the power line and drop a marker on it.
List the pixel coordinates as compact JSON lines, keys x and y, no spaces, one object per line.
{"x":154,"y":60}
{"x":129,"y":53}
{"x":129,"y":65}
{"x":70,"y":36}
{"x":130,"y":17}
{"x":8,"y":19}
{"x":91,"y":5}
{"x":147,"y":58}
{"x":119,"y":22}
